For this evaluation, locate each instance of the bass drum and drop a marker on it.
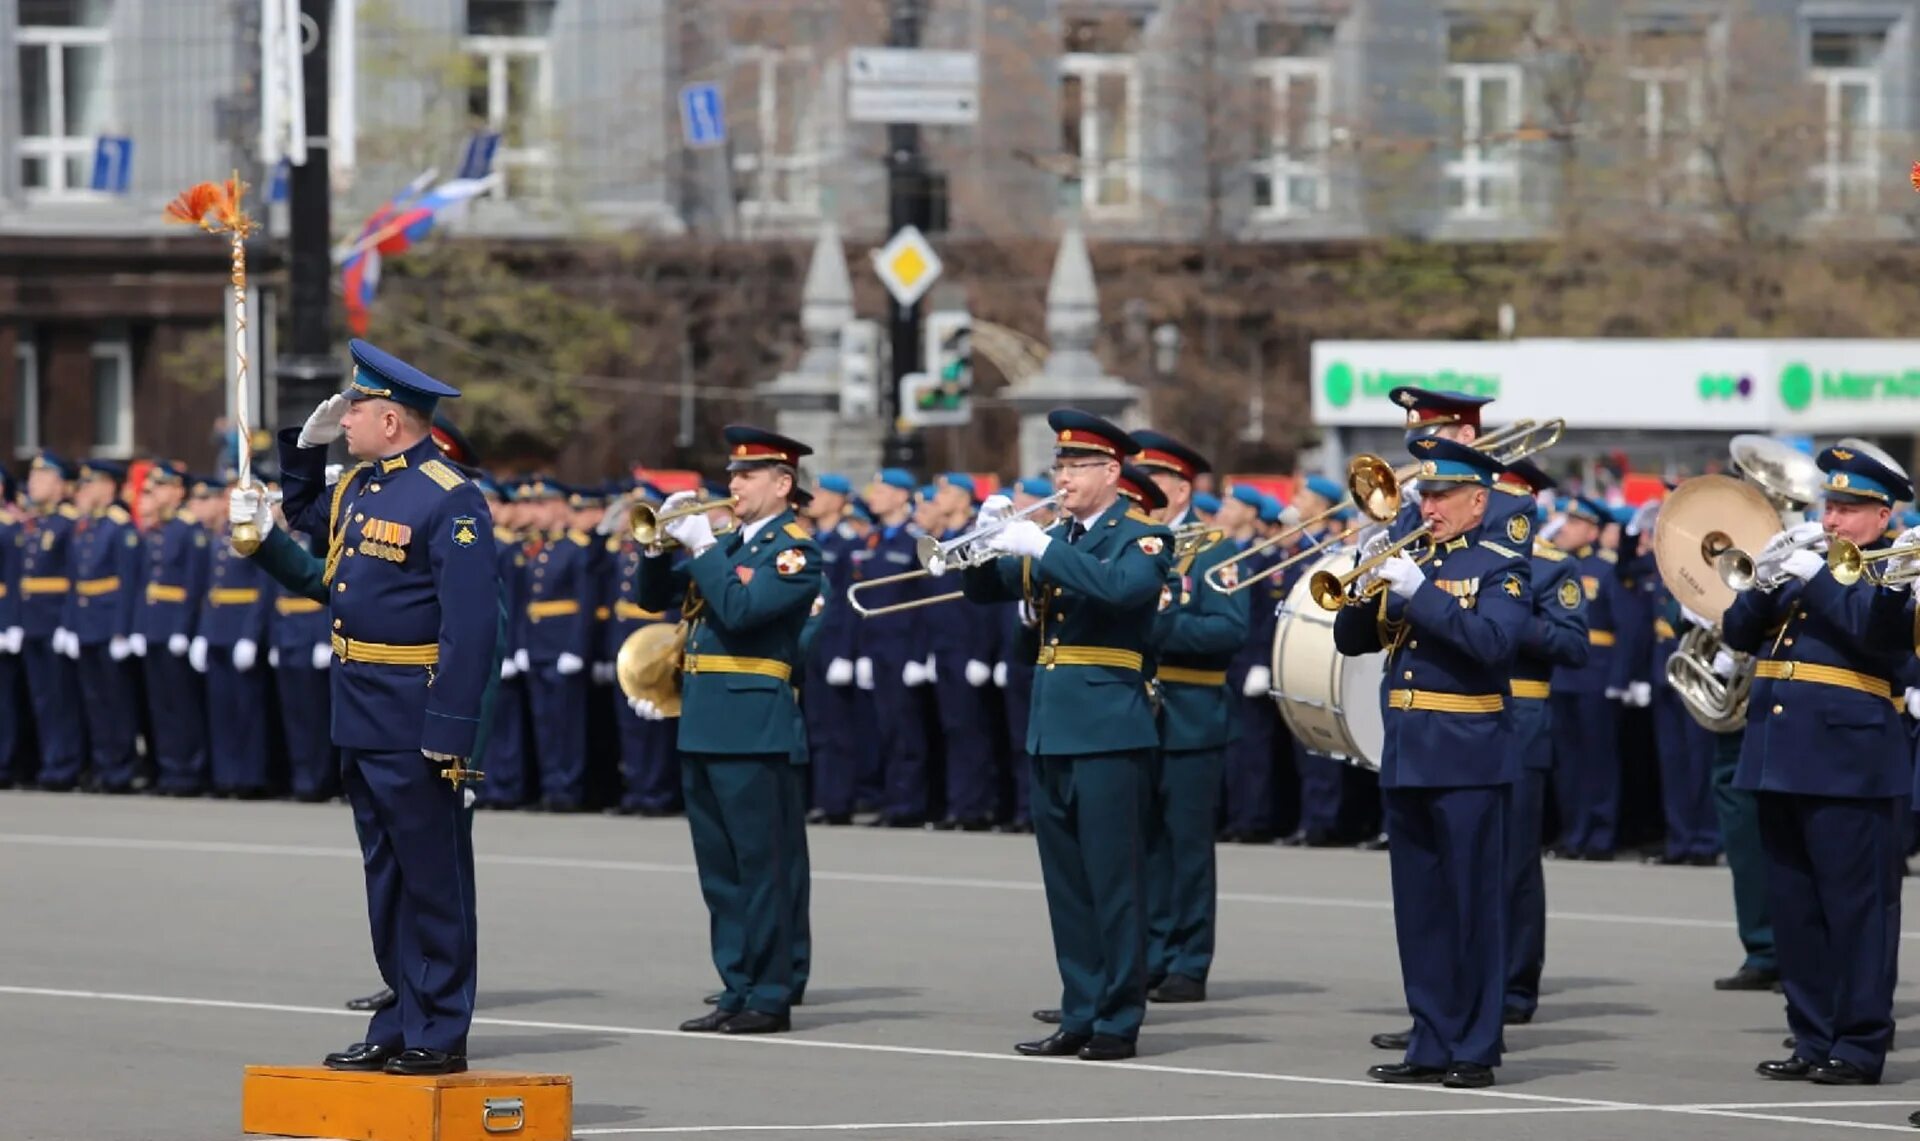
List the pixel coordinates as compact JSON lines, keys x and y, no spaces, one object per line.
{"x":1329,"y":701}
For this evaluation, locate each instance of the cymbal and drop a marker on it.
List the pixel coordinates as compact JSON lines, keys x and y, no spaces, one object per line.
{"x":1702,"y":517}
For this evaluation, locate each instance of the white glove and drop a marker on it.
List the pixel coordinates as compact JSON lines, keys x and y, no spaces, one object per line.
{"x":1612,"y":694}
{"x":1640,"y":694}
{"x":933,"y":669}
{"x":1901,"y":564}
{"x":507,"y":669}
{"x":913,"y":674}
{"x":273,"y":657}
{"x":1696,"y":619}
{"x":569,"y":664}
{"x":1913,"y":703}
{"x":323,"y":427}
{"x":1379,"y":540}
{"x":73,"y":645}
{"x":1000,"y":674}
{"x":1027,"y":617}
{"x":334,"y":472}
{"x":692,"y":532}
{"x":244,"y":652}
{"x":197,"y":655}
{"x":177,"y":645}
{"x":603,"y":673}
{"x":1552,"y":528}
{"x":119,"y":648}
{"x":1802,"y":565}
{"x":1403,"y":576}
{"x":322,"y":656}
{"x":1020,"y":537}
{"x":137,"y":645}
{"x":11,"y":640}
{"x":863,"y":673}
{"x":978,"y":674}
{"x":1791,"y":537}
{"x":996,"y":507}
{"x":59,"y":640}
{"x":1723,"y":663}
{"x":249,"y":505}
{"x":521,"y":662}
{"x":1259,"y":682}
{"x":645,"y":710}
{"x":839,"y":672}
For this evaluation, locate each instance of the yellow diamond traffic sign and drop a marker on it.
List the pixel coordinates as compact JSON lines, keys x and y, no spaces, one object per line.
{"x":907,"y":265}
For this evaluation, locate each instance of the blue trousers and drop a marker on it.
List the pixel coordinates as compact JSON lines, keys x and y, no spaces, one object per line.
{"x":13,"y":711}
{"x":1449,"y":918}
{"x":1090,"y":819}
{"x":177,"y":709}
{"x":559,"y":709}
{"x":966,"y":729}
{"x":1586,"y":770}
{"x":416,"y":843}
{"x":800,"y":880}
{"x":832,"y":715}
{"x":508,"y":783}
{"x":1322,"y":781}
{"x":1740,"y":832}
{"x":110,"y":702}
{"x":55,"y":692}
{"x":1018,"y":696}
{"x":1250,"y":765}
{"x":1833,"y":880}
{"x":237,"y":723}
{"x":1526,"y":891}
{"x":1181,"y":882}
{"x":1686,"y":777}
{"x":306,"y":718}
{"x":900,"y":715}
{"x":743,"y":850}
{"x":649,"y":761}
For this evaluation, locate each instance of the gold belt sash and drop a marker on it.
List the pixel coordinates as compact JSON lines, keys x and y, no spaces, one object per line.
{"x":44,"y":585}
{"x":288,"y":606}
{"x":1051,"y":656}
{"x":1537,"y":690}
{"x":1176,"y":675}
{"x":1431,"y":702}
{"x":1600,"y":637}
{"x":1826,"y":675}
{"x":95,"y":587}
{"x":232,"y":596}
{"x":559,"y":608}
{"x":632,"y":610}
{"x":382,"y":654}
{"x":159,"y":592}
{"x":727,"y":664}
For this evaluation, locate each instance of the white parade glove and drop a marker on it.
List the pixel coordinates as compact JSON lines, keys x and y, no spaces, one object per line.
{"x":863,"y":673}
{"x":521,"y":662}
{"x":839,"y":672}
{"x":1802,"y":565}
{"x":322,"y":656}
{"x":978,"y":674}
{"x":1902,"y":564}
{"x":1640,"y":694}
{"x":334,"y":472}
{"x":645,"y":710}
{"x":197,"y":655}
{"x":996,"y":507}
{"x":1791,"y":537}
{"x":1259,"y":681}
{"x":1552,"y":528}
{"x":137,"y":645}
{"x":244,"y":652}
{"x":73,"y":645}
{"x":913,"y":674}
{"x":11,"y":640}
{"x":1696,"y":619}
{"x":1613,"y":694}
{"x":323,"y":427}
{"x":1913,"y":703}
{"x":273,"y":657}
{"x":933,"y":669}
{"x":603,"y":673}
{"x":119,"y":648}
{"x":1000,"y":674}
{"x":249,"y":505}
{"x":507,"y":668}
{"x":177,"y":645}
{"x":59,"y":640}
{"x":1378,"y":540}
{"x":692,"y":532}
{"x":569,"y":664}
{"x":1723,"y":663}
{"x":1403,"y":576}
{"x":1020,"y":537}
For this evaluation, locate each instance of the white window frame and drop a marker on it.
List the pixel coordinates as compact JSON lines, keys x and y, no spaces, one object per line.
{"x":801,"y":168}
{"x":1088,"y":68}
{"x":1281,"y":169}
{"x":535,"y":159}
{"x":1650,"y":105}
{"x":120,"y":352}
{"x":26,"y":403}
{"x":1832,"y":174}
{"x":1473,"y":168}
{"x":55,"y":150}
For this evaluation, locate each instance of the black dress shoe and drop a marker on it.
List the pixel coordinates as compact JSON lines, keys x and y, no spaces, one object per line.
{"x":1794,"y":1069}
{"x":1402,"y":1073}
{"x":378,"y":1000}
{"x":1834,"y":1072}
{"x":1468,"y":1075}
{"x":1106,"y":1048}
{"x":1913,"y":1119}
{"x":1059,"y":1044}
{"x":1392,"y":1040}
{"x":419,"y":1063}
{"x":1748,"y":978}
{"x":1179,"y":988}
{"x":1514,"y":1016}
{"x":362,"y":1056}
{"x":757,"y":1022}
{"x":708,"y":1023}
{"x":1050,"y":1017}
{"x":714,"y":998}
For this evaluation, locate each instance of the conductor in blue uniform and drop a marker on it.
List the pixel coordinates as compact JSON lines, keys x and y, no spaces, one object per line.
{"x":1451,"y":628}
{"x":413,"y":595}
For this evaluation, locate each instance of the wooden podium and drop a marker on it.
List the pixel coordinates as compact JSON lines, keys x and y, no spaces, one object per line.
{"x":481,"y":1105}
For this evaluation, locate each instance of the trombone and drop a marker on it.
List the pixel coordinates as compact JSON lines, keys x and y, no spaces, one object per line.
{"x":967,"y":549}
{"x":1330,"y":590}
{"x":1849,"y":564}
{"x":648,"y":522}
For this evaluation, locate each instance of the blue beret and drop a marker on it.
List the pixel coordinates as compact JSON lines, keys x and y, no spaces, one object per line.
{"x":1325,"y":488}
{"x":1084,"y":433}
{"x":1856,"y":477}
{"x":1592,"y":510}
{"x":927,"y":492}
{"x":1161,"y":452}
{"x":861,"y":510}
{"x":52,"y":461}
{"x":378,"y":373}
{"x":749,"y":447}
{"x":898,"y":477}
{"x":1206,"y":503}
{"x":836,"y":483}
{"x":1428,"y":409}
{"x":1444,"y":461}
{"x":1270,"y":509}
{"x":961,"y":480}
{"x":1037,"y":486}
{"x":1248,"y":494}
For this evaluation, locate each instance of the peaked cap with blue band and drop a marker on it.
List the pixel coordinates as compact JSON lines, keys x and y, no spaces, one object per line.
{"x":167,"y":472}
{"x":1083,"y":433}
{"x":1591,"y":510}
{"x":1856,"y":477}
{"x":1428,"y":409}
{"x":749,"y":447}
{"x":378,"y":374}
{"x":199,"y":486}
{"x":108,"y":469}
{"x":1445,"y":462}
{"x":1136,"y":483}
{"x":53,"y":462}
{"x":1161,"y":452}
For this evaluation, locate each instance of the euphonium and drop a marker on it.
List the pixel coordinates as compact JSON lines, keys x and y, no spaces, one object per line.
{"x":1718,"y":703}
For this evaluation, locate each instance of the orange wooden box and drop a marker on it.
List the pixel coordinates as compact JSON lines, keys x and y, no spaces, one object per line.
{"x":482,"y":1105}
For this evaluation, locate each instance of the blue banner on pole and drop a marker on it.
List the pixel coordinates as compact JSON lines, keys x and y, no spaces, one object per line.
{"x":112,"y":164}
{"x":703,"y":115}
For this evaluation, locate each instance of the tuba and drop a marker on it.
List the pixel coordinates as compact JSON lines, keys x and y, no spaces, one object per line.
{"x":1703,"y":521}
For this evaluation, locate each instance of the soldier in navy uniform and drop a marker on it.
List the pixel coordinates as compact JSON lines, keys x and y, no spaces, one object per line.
{"x":1452,"y":629}
{"x":1586,"y":765}
{"x":46,"y":582}
{"x":649,"y":761}
{"x":301,"y":654}
{"x":174,"y":583}
{"x":228,"y":650}
{"x":557,"y":626}
{"x":960,"y":651}
{"x":828,"y":697}
{"x":1322,"y":779}
{"x":892,"y":648}
{"x":1829,"y":760}
{"x":414,"y":626}
{"x":516,"y":535}
{"x":1249,"y":764}
{"x":100,"y":613}
{"x":14,"y":705}
{"x":1013,"y":673}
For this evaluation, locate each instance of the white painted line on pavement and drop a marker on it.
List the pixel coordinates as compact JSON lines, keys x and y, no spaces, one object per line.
{"x":1037,"y":1122}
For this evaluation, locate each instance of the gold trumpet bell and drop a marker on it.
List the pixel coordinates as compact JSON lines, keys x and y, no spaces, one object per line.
{"x":648,"y":665}
{"x":648,"y":522}
{"x":1374,"y":486}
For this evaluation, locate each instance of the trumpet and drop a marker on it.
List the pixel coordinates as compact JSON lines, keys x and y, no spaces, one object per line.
{"x":1330,"y":590}
{"x":648,"y":522}
{"x":1849,"y":564}
{"x":1743,"y":572}
{"x":967,"y":549}
{"x":1189,"y":539}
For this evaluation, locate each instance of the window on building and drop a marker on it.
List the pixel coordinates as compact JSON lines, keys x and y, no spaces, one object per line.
{"x":62,"y":59}
{"x":1844,"y":65}
{"x":1100,"y":113}
{"x":26,"y":396}
{"x":112,"y":396}
{"x":1481,"y":161}
{"x":1292,"y":77}
{"x":1666,"y":78}
{"x":510,"y":87}
{"x":777,"y":116}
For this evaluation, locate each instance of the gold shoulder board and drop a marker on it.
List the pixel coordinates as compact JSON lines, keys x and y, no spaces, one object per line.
{"x":796,"y":531}
{"x":440,"y":473}
{"x":1498,"y":549}
{"x":1139,"y":516}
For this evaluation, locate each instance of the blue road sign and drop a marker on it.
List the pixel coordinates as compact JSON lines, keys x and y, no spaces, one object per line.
{"x":112,"y":163}
{"x":703,"y":115}
{"x":277,"y":185}
{"x":477,"y":160}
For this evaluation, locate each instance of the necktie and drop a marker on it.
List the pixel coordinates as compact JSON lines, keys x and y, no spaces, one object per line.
{"x":1074,"y":532}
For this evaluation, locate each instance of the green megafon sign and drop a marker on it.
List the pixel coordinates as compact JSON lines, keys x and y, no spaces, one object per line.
{"x":1341,"y":382}
{"x":1801,"y":385}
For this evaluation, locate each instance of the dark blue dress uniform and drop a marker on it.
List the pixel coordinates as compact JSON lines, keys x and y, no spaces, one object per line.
{"x":829,"y":698}
{"x":1586,"y":765}
{"x":302,"y":645}
{"x":1323,"y":780}
{"x":1195,"y":637}
{"x":649,"y":762}
{"x":46,"y":581}
{"x":1827,"y":755}
{"x":1685,"y":747}
{"x":101,"y":609}
{"x":557,"y":633}
{"x":1249,"y":764}
{"x":414,"y":606}
{"x":233,"y":633}
{"x":1446,"y":774}
{"x":1018,"y":645}
{"x":886,"y":643}
{"x":509,"y":781}
{"x":13,"y":703}
{"x":174,"y":588}
{"x":1555,"y":635}
{"x":745,"y":602}
{"x":1092,"y":735}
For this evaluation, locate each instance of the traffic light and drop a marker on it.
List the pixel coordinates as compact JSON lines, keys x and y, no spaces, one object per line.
{"x":943,"y":394}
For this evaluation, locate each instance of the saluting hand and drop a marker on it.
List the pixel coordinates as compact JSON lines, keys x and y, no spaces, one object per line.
{"x":323,"y":427}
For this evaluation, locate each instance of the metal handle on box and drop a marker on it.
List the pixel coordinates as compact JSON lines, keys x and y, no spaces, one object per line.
{"x":509,"y":1112}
